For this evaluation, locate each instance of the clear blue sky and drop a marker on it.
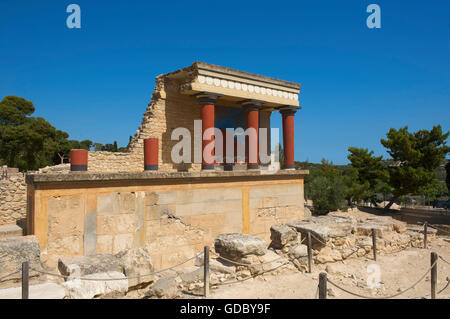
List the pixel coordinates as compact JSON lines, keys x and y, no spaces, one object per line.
{"x":95,"y":82}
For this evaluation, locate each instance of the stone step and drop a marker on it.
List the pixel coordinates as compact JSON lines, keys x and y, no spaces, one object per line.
{"x":40,"y":291}
{"x":10,"y":231}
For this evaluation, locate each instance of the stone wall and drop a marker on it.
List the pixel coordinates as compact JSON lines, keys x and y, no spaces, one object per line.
{"x":12,"y":195}
{"x":174,"y":219}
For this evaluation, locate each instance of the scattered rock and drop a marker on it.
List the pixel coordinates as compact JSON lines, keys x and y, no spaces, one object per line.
{"x":364,"y":241}
{"x":192,"y":276}
{"x":339,"y":226}
{"x":399,"y":227}
{"x":299,"y":251}
{"x":244,"y":273}
{"x":164,"y":288}
{"x":86,"y":265}
{"x":282,"y":235}
{"x":88,"y":289}
{"x":14,"y":251}
{"x":216,"y":265}
{"x":320,"y":234}
{"x":327,"y":254}
{"x":307,"y":213}
{"x":136,"y":262}
{"x":336,"y":269}
{"x":268,"y":262}
{"x":40,"y":291}
{"x":234,"y":246}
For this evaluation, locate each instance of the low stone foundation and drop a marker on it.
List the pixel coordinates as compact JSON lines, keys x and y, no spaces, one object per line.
{"x":339,"y":236}
{"x":172,"y":214}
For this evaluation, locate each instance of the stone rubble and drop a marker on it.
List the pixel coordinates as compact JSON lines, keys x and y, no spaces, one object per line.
{"x":16,"y":250}
{"x":338,"y":236}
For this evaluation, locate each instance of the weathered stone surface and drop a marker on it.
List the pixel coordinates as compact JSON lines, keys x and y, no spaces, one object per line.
{"x":340,"y":226}
{"x":88,"y":289}
{"x":322,"y":233}
{"x":14,"y":251}
{"x":13,"y":196}
{"x":364,"y":241}
{"x":299,"y":251}
{"x":399,"y":226}
{"x":380,"y":224}
{"x":164,"y":288}
{"x":149,"y":175}
{"x":260,"y":264}
{"x":40,"y":291}
{"x":10,"y":231}
{"x":327,"y":255}
{"x":280,"y":235}
{"x":336,"y":269}
{"x":420,"y":229}
{"x":365,"y":229}
{"x":100,"y":263}
{"x":136,"y":262}
{"x":235,"y":245}
{"x":216,"y":265}
{"x":192,"y":276}
{"x":307,"y":215}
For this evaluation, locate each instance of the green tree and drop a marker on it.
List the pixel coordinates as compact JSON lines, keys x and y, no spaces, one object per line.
{"x":28,"y":142}
{"x":416,"y":156}
{"x":356,"y":191}
{"x":447,"y":177}
{"x":433,"y":191}
{"x":368,"y":172}
{"x":326,"y":188}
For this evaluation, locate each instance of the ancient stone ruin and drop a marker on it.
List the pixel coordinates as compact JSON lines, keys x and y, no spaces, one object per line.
{"x":137,"y":221}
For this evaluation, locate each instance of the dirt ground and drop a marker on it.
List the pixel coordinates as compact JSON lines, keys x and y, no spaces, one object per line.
{"x":398,"y":271}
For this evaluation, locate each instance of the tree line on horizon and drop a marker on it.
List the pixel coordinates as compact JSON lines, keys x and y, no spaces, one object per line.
{"x":29,"y":142}
{"x":416,"y":168}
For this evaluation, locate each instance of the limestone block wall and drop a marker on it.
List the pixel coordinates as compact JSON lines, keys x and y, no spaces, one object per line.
{"x":174,"y":220}
{"x":12,"y":195}
{"x":272,"y":205}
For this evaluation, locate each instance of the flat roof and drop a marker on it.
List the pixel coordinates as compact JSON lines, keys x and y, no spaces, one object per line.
{"x":199,"y":66}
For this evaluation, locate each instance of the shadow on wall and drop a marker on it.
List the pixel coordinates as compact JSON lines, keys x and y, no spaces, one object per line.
{"x":180,"y":111}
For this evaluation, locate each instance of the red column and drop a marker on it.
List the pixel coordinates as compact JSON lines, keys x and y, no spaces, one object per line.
{"x":251,"y":143}
{"x":78,"y":160}
{"x":151,"y":150}
{"x":207,"y":101}
{"x":288,"y":137}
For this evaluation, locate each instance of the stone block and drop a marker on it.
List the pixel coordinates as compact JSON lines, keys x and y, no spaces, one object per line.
{"x":86,"y":265}
{"x":39,"y":291}
{"x":235,"y":246}
{"x":136,"y":262}
{"x":10,"y":231}
{"x":281,"y":235}
{"x":107,"y":204}
{"x":122,"y":241}
{"x":88,"y":289}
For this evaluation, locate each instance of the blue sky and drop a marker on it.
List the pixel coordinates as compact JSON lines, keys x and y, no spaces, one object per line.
{"x":95,"y":82}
